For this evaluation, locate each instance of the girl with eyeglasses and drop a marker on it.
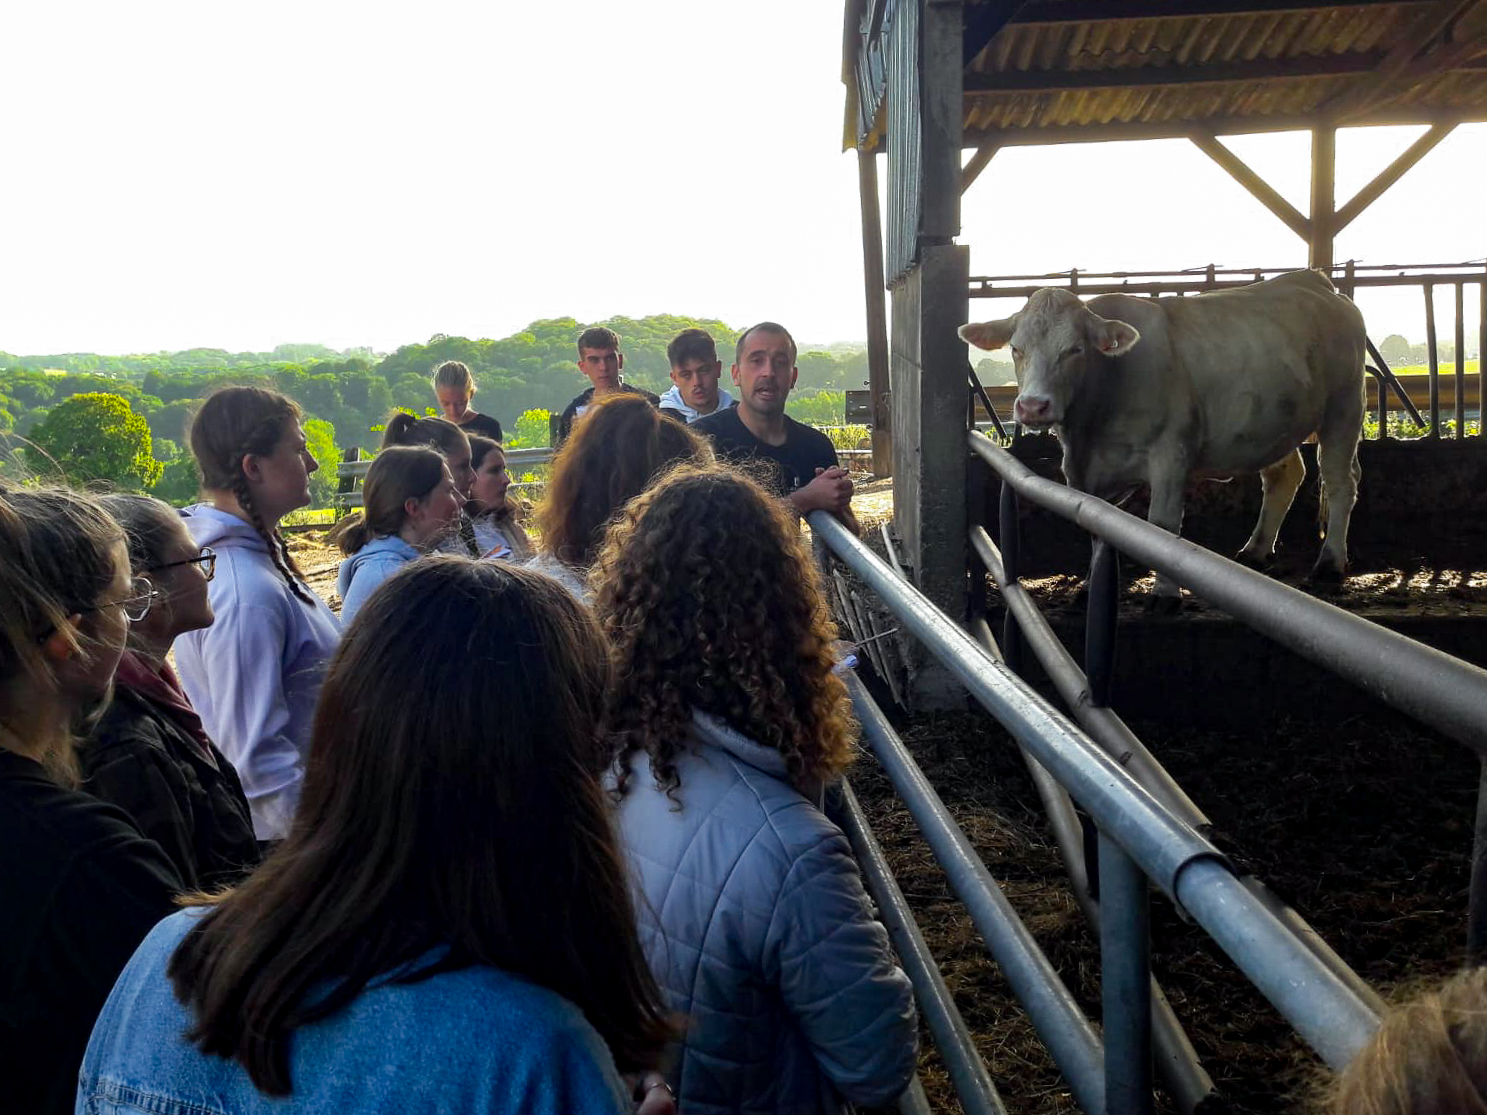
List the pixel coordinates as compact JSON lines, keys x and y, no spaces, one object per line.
{"x":150,"y":754}
{"x":79,"y":885}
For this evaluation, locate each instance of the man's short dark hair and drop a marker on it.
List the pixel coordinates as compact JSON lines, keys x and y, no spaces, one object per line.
{"x":692,"y":344}
{"x":764,"y":327}
{"x":596,"y":336}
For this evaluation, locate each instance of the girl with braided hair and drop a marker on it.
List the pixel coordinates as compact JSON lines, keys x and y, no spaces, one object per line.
{"x":726,"y":720}
{"x":255,"y":673}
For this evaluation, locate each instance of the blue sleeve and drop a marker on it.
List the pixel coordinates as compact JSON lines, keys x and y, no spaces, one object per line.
{"x":366,"y":580}
{"x":838,"y":977}
{"x":571,"y":1072}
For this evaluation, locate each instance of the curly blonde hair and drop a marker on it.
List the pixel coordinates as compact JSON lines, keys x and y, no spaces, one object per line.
{"x":1428,"y":1057}
{"x":711,"y":601}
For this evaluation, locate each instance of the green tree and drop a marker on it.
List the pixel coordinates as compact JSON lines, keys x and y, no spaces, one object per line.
{"x":531,"y":430}
{"x":180,"y":484}
{"x":1396,"y":350}
{"x":97,"y":436}
{"x":320,"y":438}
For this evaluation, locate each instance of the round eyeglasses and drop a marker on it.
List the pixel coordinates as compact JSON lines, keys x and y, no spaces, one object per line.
{"x":137,"y":605}
{"x":206,"y":561}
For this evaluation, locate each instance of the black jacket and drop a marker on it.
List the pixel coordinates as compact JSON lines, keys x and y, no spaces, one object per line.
{"x":187,"y":800}
{"x":570,"y":412}
{"x":80,"y":888}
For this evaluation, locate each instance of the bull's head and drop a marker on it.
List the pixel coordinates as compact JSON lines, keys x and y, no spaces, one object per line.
{"x":1052,"y":339}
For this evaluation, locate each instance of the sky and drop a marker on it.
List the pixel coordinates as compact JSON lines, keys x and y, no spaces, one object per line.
{"x":181,"y":174}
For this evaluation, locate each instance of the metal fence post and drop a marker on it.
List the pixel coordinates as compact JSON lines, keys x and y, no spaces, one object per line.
{"x":1100,"y":620}
{"x":1476,"y":921}
{"x":1125,"y":981}
{"x":1009,"y":535}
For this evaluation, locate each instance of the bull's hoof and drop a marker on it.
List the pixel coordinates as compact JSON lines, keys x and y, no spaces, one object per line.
{"x":1163,"y":605}
{"x":1250,"y":561}
{"x":1325,"y":573}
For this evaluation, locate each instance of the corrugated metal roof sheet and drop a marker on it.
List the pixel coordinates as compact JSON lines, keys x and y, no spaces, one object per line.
{"x":1231,"y":67}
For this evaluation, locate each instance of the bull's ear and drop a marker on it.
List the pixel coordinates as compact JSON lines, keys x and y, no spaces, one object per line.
{"x":1111,"y":337}
{"x":990,"y":335}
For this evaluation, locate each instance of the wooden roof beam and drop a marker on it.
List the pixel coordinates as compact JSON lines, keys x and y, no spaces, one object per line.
{"x":1117,"y":131}
{"x":1404,"y":59}
{"x":1390,"y":175}
{"x":1140,"y":77}
{"x":1245,"y":175}
{"x":976,"y":164}
{"x":1109,"y":11}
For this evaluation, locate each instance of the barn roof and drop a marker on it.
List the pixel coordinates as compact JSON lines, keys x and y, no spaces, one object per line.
{"x":1054,"y":71}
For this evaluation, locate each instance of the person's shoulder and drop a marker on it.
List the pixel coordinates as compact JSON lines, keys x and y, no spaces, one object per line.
{"x":129,"y":727}
{"x":807,"y":435}
{"x":48,"y":819}
{"x":721,"y":423}
{"x":650,"y":397}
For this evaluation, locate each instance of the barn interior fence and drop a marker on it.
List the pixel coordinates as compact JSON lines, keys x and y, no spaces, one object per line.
{"x":1146,"y":828}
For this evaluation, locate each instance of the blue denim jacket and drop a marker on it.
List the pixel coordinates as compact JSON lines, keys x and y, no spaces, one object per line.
{"x":475,"y":1041}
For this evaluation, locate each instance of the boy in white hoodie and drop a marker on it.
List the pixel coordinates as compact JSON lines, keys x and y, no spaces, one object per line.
{"x":695,"y":371}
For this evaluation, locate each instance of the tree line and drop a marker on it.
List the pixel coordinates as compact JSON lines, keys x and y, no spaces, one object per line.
{"x":122,"y":419}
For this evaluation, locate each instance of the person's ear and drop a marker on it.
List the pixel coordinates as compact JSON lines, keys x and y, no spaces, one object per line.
{"x":411,"y":506}
{"x":252,"y":468}
{"x":57,"y":648}
{"x":621,"y":355}
{"x":735,"y":373}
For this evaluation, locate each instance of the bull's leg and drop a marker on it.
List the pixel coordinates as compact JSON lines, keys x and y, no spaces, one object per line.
{"x":1337,"y":461}
{"x":1280,"y":482}
{"x":1167,"y":484}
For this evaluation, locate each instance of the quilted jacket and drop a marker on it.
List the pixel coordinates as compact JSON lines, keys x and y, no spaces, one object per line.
{"x":754,"y":918}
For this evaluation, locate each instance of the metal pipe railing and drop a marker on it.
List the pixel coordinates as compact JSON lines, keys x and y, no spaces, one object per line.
{"x":1055,"y":1014}
{"x":1334,"y":1020}
{"x":1438,"y":690}
{"x":1107,"y":729}
{"x":1186,"y":1079}
{"x":973,"y":1085}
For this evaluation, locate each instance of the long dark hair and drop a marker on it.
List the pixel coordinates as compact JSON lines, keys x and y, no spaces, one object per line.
{"x":619,"y":447}
{"x":398,"y":474}
{"x":437,"y":433}
{"x":433,"y":816}
{"x":233,"y":423}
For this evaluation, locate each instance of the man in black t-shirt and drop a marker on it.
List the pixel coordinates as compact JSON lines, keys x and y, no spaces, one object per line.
{"x":803,"y":462}
{"x":599,"y":358}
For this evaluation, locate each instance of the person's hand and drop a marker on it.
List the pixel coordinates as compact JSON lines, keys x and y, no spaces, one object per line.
{"x":831,"y":491}
{"x":655,"y":1096}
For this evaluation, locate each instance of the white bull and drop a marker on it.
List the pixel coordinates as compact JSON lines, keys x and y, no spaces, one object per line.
{"x":1151,"y":391}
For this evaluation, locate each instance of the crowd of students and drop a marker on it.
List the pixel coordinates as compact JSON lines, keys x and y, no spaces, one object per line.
{"x":519,"y":830}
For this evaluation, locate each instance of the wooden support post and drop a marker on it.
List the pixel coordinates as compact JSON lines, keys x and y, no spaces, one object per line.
{"x":1323,"y":197}
{"x":1390,"y":175}
{"x":1461,"y":362}
{"x":1242,"y":173}
{"x":929,"y":362}
{"x":976,"y":164}
{"x":877,"y":313}
{"x":1433,"y":355}
{"x":1482,"y":361}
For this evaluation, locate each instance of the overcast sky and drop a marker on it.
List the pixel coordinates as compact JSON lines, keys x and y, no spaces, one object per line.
{"x":243,"y":175}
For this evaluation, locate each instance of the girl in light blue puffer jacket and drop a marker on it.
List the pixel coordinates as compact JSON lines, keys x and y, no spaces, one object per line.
{"x":725,"y":723}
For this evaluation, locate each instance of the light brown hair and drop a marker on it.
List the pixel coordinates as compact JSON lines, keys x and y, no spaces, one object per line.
{"x":426,"y":821}
{"x":233,"y":423}
{"x":1429,"y":1057}
{"x":437,"y":433}
{"x":58,"y":550}
{"x":711,"y":602}
{"x":616,"y":449}
{"x":398,"y":474}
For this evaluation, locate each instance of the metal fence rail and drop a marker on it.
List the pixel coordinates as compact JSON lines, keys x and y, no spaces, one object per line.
{"x":1325,"y":1008}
